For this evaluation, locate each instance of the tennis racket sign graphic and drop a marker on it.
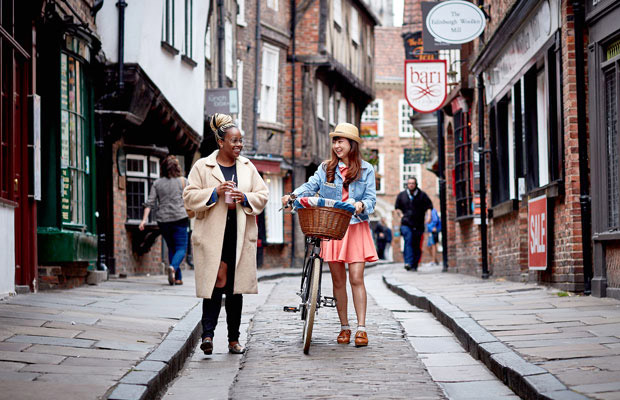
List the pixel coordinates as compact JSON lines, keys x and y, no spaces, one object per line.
{"x":425,"y":84}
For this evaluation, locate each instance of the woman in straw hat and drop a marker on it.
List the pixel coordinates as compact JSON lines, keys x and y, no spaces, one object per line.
{"x":347,"y":177}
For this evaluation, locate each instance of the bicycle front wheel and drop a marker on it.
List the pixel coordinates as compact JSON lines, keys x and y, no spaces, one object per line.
{"x":312,"y":303}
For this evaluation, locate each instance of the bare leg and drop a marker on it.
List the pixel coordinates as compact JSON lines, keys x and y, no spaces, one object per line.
{"x":220,"y":282}
{"x":339,"y":281}
{"x":356,"y":278}
{"x":434,"y":253}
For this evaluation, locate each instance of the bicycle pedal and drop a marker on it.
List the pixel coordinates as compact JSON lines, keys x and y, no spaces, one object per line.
{"x":291,"y":309}
{"x":329,"y":301}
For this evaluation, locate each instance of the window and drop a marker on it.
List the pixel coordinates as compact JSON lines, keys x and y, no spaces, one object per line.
{"x":273,"y":4}
{"x":331,"y":110}
{"x":405,"y":129}
{"x":612,"y":143}
{"x":320,"y":113}
{"x":355,"y":27}
{"x":274,"y":223}
{"x":409,"y":170}
{"x":241,"y":12}
{"x":337,"y":11}
{"x":453,"y":61}
{"x":74,"y":159}
{"x":463,"y":166}
{"x":189,"y":29}
{"x":342,"y":110}
{"x":380,"y":174}
{"x":141,"y":173}
{"x":372,"y":119}
{"x":167,"y":31}
{"x":228,"y":38}
{"x":269,"y":83}
{"x":208,"y":43}
{"x":240,"y":94}
{"x":500,"y":165}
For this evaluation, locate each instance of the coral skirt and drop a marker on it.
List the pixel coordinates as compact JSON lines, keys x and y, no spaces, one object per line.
{"x":356,"y":246}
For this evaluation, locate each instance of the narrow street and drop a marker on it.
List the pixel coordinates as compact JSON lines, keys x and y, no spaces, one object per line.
{"x":410,"y":355}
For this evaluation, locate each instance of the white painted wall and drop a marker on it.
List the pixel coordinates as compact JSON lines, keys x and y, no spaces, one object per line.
{"x":181,"y":84}
{"x":7,"y":251}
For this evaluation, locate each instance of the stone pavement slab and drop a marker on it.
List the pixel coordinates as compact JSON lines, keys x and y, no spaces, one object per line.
{"x":572,"y":340}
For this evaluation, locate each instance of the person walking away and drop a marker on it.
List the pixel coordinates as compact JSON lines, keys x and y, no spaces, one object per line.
{"x":226,"y":193}
{"x":413,"y":207}
{"x":166,"y":197}
{"x":347,"y":177}
{"x":383,"y":236}
{"x":433,"y":228}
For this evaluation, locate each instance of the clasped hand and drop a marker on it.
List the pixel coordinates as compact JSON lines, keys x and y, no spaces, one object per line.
{"x":229,"y":186}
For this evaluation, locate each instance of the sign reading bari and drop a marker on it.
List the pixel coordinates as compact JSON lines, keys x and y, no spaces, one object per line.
{"x":537,"y":233}
{"x":425,"y":84}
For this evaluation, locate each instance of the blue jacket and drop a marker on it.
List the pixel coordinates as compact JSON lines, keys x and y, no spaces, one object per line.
{"x":435,"y":222}
{"x":363,"y":189}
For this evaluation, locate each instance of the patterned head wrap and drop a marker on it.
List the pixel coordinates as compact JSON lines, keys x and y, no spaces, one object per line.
{"x":220,"y":123}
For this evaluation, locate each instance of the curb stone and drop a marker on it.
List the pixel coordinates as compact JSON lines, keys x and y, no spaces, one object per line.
{"x":527,"y":380}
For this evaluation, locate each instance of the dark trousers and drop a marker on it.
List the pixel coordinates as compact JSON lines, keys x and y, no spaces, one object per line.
{"x":413,"y":250}
{"x":234,"y":302}
{"x":175,"y":235}
{"x":381,"y":249}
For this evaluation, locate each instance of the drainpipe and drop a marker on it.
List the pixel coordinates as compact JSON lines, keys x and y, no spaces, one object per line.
{"x":256,"y":77}
{"x":121,"y":44}
{"x":293,"y":129}
{"x":582,"y":140}
{"x":220,"y":43}
{"x":483,"y":187}
{"x":442,"y":190}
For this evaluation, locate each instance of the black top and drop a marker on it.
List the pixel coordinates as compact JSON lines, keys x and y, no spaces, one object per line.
{"x":413,"y":208}
{"x":228,"y":172}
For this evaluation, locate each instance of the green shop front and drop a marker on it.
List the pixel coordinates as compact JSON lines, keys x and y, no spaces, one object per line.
{"x":67,"y":244}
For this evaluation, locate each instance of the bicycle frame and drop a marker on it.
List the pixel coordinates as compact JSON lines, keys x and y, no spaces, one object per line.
{"x":312,"y":251}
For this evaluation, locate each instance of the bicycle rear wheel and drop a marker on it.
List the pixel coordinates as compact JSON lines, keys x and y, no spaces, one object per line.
{"x":312,"y":303}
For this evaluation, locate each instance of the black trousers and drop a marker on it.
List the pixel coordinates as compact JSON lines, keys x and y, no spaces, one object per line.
{"x":416,"y":242}
{"x":234,"y":302}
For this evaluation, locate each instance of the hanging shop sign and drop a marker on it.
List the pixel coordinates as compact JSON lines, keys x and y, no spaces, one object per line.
{"x":537,"y":233}
{"x":414,"y":47}
{"x":454,"y":22}
{"x":425,"y":84}
{"x":223,"y":101}
{"x":524,"y":45}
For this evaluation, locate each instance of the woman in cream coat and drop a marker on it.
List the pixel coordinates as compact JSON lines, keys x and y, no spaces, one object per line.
{"x":225,"y":234}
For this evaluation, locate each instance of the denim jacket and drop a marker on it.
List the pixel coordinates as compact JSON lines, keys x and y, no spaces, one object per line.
{"x":363,"y":189}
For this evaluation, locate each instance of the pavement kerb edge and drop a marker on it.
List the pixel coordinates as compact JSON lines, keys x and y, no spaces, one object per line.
{"x":527,"y":380}
{"x":161,"y":366}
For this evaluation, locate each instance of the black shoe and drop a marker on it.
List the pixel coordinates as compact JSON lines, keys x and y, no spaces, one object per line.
{"x":407,"y":267}
{"x":414,"y":269}
{"x":207,"y":345}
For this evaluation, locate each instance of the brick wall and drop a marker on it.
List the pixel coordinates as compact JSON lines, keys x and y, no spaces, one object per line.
{"x":507,"y":236}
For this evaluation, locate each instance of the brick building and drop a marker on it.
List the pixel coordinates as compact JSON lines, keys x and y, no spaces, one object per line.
{"x":524,"y":112}
{"x":390,"y":136}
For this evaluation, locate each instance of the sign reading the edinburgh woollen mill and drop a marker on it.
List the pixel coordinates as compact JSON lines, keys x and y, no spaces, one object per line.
{"x":425,"y":84}
{"x":455,"y":22}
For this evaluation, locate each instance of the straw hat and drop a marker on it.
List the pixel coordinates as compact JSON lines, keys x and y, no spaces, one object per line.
{"x":348,"y":131}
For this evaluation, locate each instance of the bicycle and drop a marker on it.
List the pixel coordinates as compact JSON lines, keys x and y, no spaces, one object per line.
{"x":318,"y":222}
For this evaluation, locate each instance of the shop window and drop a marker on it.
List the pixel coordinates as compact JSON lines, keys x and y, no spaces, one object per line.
{"x":274,"y":222}
{"x":409,"y":170}
{"x":142,"y":171}
{"x":500,"y":175}
{"x":74,"y":160}
{"x":463,"y":165}
{"x":372,"y":119}
{"x":167,"y":28}
{"x":612,"y":144}
{"x":189,"y":27}
{"x":269,"y":83}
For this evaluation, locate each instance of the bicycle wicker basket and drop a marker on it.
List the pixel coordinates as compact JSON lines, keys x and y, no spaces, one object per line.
{"x":324,"y":222}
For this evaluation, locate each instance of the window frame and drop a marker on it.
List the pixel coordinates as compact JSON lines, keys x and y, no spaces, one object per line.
{"x":355,"y":24}
{"x":463,"y":164}
{"x":416,"y":172}
{"x":404,"y":118}
{"x":167,"y":32}
{"x":188,"y":42}
{"x":269,"y":99}
{"x":381,"y":174}
{"x":337,"y":12}
{"x":147,"y":176}
{"x":367,"y":116}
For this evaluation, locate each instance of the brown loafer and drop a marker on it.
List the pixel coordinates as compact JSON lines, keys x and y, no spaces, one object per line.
{"x":344,"y":337}
{"x":361,"y":339}
{"x":178,"y":282}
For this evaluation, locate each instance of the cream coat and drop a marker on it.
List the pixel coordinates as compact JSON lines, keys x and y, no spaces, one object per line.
{"x":208,"y":233}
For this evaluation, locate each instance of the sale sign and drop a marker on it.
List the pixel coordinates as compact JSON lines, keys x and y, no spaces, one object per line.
{"x":425,"y":84}
{"x":537,"y":233}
